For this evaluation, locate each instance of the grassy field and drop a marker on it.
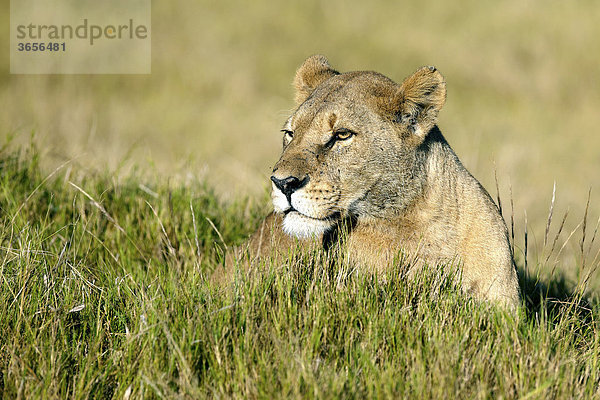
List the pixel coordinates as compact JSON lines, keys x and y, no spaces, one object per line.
{"x":106,"y":293}
{"x":114,"y":216}
{"x":523,"y":93}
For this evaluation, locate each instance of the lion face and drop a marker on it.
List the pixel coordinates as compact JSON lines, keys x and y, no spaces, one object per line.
{"x":351,"y":149}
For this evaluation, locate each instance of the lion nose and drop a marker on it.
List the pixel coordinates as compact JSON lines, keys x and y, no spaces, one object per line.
{"x":290,"y":184}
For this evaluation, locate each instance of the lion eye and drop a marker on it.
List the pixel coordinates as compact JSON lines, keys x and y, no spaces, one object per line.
{"x":343,"y":134}
{"x":288,"y":134}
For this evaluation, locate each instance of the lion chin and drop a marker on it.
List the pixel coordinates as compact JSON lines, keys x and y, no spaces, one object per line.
{"x":304,"y":227}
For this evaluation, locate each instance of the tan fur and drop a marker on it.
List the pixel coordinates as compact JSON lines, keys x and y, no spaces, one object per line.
{"x":364,"y":149}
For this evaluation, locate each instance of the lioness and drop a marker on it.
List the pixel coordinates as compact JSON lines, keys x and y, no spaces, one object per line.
{"x":361,"y":148}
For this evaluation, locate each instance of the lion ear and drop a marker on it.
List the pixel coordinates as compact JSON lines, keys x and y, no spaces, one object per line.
{"x":419,"y":99}
{"x":314,"y":71}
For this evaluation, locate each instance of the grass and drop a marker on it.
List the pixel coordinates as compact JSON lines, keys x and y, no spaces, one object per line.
{"x":105,"y":292}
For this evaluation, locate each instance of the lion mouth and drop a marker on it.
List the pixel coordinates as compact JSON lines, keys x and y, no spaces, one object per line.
{"x":331,"y":217}
{"x":303,"y":226}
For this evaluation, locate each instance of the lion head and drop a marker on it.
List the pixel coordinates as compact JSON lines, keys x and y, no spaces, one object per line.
{"x":354,"y":147}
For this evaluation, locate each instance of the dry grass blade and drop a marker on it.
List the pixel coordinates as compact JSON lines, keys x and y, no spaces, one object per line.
{"x":584,"y":228}
{"x":562,"y":225}
{"x":102,"y":244}
{"x":34,"y":191}
{"x":164,"y":232}
{"x":109,"y":217}
{"x":497,"y":190}
{"x":556,"y":260}
{"x":99,"y":207}
{"x":550,"y":214}
{"x":82,"y":277}
{"x":218,"y":233}
{"x":585,"y":282}
{"x":198,"y":253}
{"x":593,"y":238}
{"x":147,"y":190}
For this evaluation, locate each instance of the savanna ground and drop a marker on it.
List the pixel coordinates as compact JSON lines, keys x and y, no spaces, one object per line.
{"x":114,"y":216}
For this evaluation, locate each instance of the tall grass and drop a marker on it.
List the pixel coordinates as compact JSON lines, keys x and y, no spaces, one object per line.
{"x":105,"y":292}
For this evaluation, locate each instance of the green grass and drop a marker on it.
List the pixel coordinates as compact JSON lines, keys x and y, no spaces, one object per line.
{"x":105,"y":292}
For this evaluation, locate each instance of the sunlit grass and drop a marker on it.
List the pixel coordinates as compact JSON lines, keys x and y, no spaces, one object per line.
{"x":105,"y":292}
